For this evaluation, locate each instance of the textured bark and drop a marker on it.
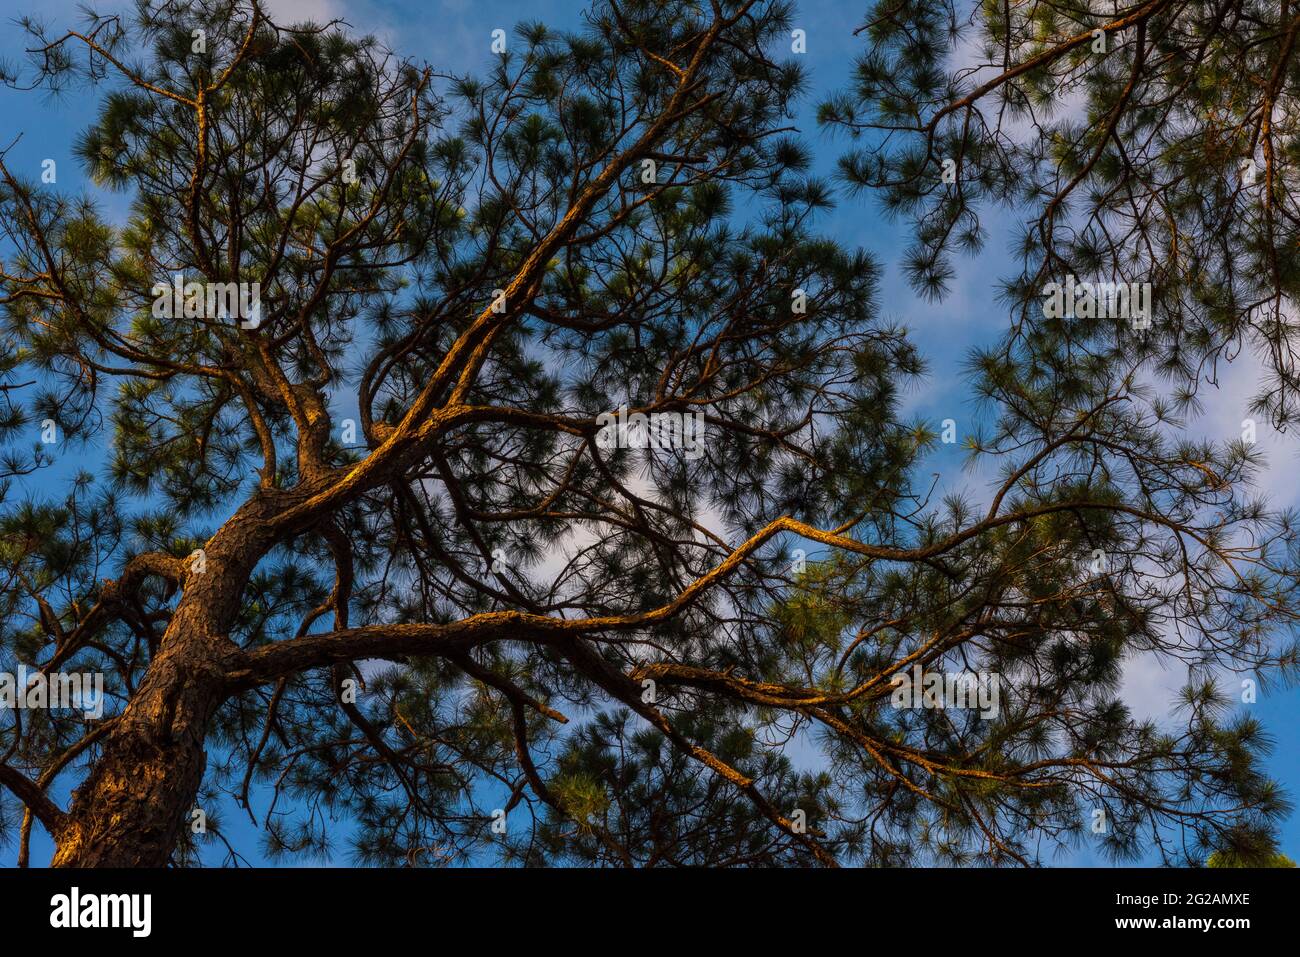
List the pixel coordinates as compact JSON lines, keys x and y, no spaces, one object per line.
{"x":132,"y":806}
{"x":130,"y":810}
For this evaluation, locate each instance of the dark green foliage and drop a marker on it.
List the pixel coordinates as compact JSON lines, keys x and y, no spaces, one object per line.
{"x":668,"y":661}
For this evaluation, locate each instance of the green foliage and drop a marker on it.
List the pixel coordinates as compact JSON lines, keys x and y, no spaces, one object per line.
{"x":633,"y":671}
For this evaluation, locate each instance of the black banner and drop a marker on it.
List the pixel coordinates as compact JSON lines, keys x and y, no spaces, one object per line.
{"x":338,"y":906}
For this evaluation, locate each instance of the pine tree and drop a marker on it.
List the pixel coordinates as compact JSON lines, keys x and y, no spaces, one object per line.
{"x":379,"y":548}
{"x":1149,"y":142}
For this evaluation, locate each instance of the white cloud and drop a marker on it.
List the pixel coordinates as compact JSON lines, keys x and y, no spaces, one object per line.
{"x":296,"y":11}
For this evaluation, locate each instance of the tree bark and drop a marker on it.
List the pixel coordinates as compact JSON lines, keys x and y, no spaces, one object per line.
{"x":131,"y":808}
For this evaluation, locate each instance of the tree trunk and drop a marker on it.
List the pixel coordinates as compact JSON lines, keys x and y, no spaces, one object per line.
{"x":130,"y":810}
{"x":132,"y":806}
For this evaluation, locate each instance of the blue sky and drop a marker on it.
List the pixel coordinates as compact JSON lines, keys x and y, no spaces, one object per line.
{"x":454,"y":35}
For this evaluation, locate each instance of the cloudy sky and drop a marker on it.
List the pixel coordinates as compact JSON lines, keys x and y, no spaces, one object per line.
{"x":454,"y":36}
